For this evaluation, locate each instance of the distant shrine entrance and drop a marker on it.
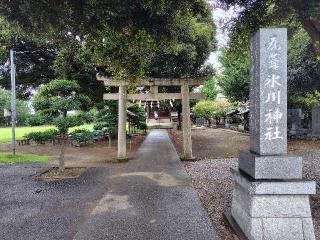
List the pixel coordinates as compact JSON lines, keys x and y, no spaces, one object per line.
{"x":152,"y":97}
{"x":155,"y":110}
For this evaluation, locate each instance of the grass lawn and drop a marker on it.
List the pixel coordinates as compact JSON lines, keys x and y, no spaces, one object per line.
{"x":6,"y":133}
{"x":6,"y":157}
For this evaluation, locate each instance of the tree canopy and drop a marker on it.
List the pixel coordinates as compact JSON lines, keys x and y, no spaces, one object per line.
{"x":127,"y":39}
{"x":210,"y":89}
{"x":235,"y":80}
{"x":262,"y":13}
{"x":302,"y":18}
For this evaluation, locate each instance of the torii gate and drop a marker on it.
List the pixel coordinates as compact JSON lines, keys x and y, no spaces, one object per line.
{"x":122,"y":96}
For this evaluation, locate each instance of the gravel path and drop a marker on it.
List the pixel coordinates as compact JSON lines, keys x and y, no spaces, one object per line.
{"x":212,"y":180}
{"x":218,"y":150}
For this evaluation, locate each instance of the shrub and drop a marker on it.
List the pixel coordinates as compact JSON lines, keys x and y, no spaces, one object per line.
{"x":140,"y":115}
{"x":80,"y":130}
{"x":64,"y":123}
{"x":88,"y":117}
{"x":143,"y":126}
{"x":36,"y":120}
{"x":98,"y":126}
{"x":97,"y":133}
{"x":236,"y":119}
{"x":41,"y":137}
{"x":51,"y":134}
{"x":107,"y":118}
{"x":81,"y":135}
{"x":209,"y":109}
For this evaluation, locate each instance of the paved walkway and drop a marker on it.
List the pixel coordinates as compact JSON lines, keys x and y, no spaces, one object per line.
{"x":150,"y":198}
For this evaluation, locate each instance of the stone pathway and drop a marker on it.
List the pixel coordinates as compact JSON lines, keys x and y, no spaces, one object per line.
{"x":151,"y":197}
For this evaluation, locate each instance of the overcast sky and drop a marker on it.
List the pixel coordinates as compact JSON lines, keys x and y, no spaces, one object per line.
{"x":219,"y":17}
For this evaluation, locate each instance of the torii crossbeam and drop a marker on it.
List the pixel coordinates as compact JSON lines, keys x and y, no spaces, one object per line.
{"x":122,"y":96}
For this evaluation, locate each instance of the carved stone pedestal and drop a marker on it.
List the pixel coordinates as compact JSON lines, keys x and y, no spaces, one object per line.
{"x":272,"y":209}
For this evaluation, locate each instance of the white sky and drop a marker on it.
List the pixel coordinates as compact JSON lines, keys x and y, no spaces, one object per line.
{"x":220,"y":16}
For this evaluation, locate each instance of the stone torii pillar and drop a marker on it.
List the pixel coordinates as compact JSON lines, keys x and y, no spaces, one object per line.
{"x":154,"y":94}
{"x":186,"y":122}
{"x":122,"y":119}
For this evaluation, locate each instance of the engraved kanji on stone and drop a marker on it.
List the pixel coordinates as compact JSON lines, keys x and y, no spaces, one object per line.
{"x":274,"y":61}
{"x":273,"y":116}
{"x":273,"y":134}
{"x":273,"y":44}
{"x":272,"y":81}
{"x":274,"y":97}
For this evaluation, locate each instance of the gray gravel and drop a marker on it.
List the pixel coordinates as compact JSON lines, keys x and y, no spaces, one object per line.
{"x":212,"y":180}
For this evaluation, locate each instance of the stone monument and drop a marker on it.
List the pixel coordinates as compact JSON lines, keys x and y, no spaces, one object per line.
{"x":199,"y":122}
{"x":316,"y":120}
{"x":270,"y":199}
{"x":295,"y":115}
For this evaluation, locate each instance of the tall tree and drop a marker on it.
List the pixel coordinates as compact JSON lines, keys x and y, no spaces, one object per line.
{"x":234,"y":82}
{"x":303,"y":68}
{"x":128,"y":38}
{"x":32,"y":60}
{"x":262,"y":13}
{"x":210,"y":89}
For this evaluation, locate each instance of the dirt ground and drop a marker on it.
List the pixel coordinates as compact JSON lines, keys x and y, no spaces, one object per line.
{"x":225,"y":143}
{"x":217,"y":151}
{"x":89,"y":155}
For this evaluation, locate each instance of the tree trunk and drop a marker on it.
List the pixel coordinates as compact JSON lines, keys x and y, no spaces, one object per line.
{"x":313,"y":29}
{"x":109,"y":137}
{"x":62,"y":149}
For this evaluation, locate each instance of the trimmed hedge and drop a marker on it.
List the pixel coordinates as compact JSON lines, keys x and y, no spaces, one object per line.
{"x":81,"y":135}
{"x":41,"y":137}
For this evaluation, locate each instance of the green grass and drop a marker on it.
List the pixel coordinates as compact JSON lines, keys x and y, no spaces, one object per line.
{"x":6,"y":157}
{"x":6,"y":133}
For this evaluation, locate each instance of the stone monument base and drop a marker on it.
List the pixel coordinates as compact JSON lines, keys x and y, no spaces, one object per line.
{"x":270,"y":167}
{"x":272,"y":209}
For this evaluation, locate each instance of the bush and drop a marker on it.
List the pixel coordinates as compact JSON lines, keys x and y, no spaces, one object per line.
{"x":88,"y":117}
{"x":138,"y":111}
{"x":236,"y":119}
{"x":143,"y":126}
{"x":64,"y":123}
{"x":36,"y":120}
{"x":98,"y":126}
{"x":98,"y":133}
{"x":211,"y":109}
{"x":107,"y":118}
{"x":80,"y":130}
{"x":81,"y":135}
{"x":41,"y":137}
